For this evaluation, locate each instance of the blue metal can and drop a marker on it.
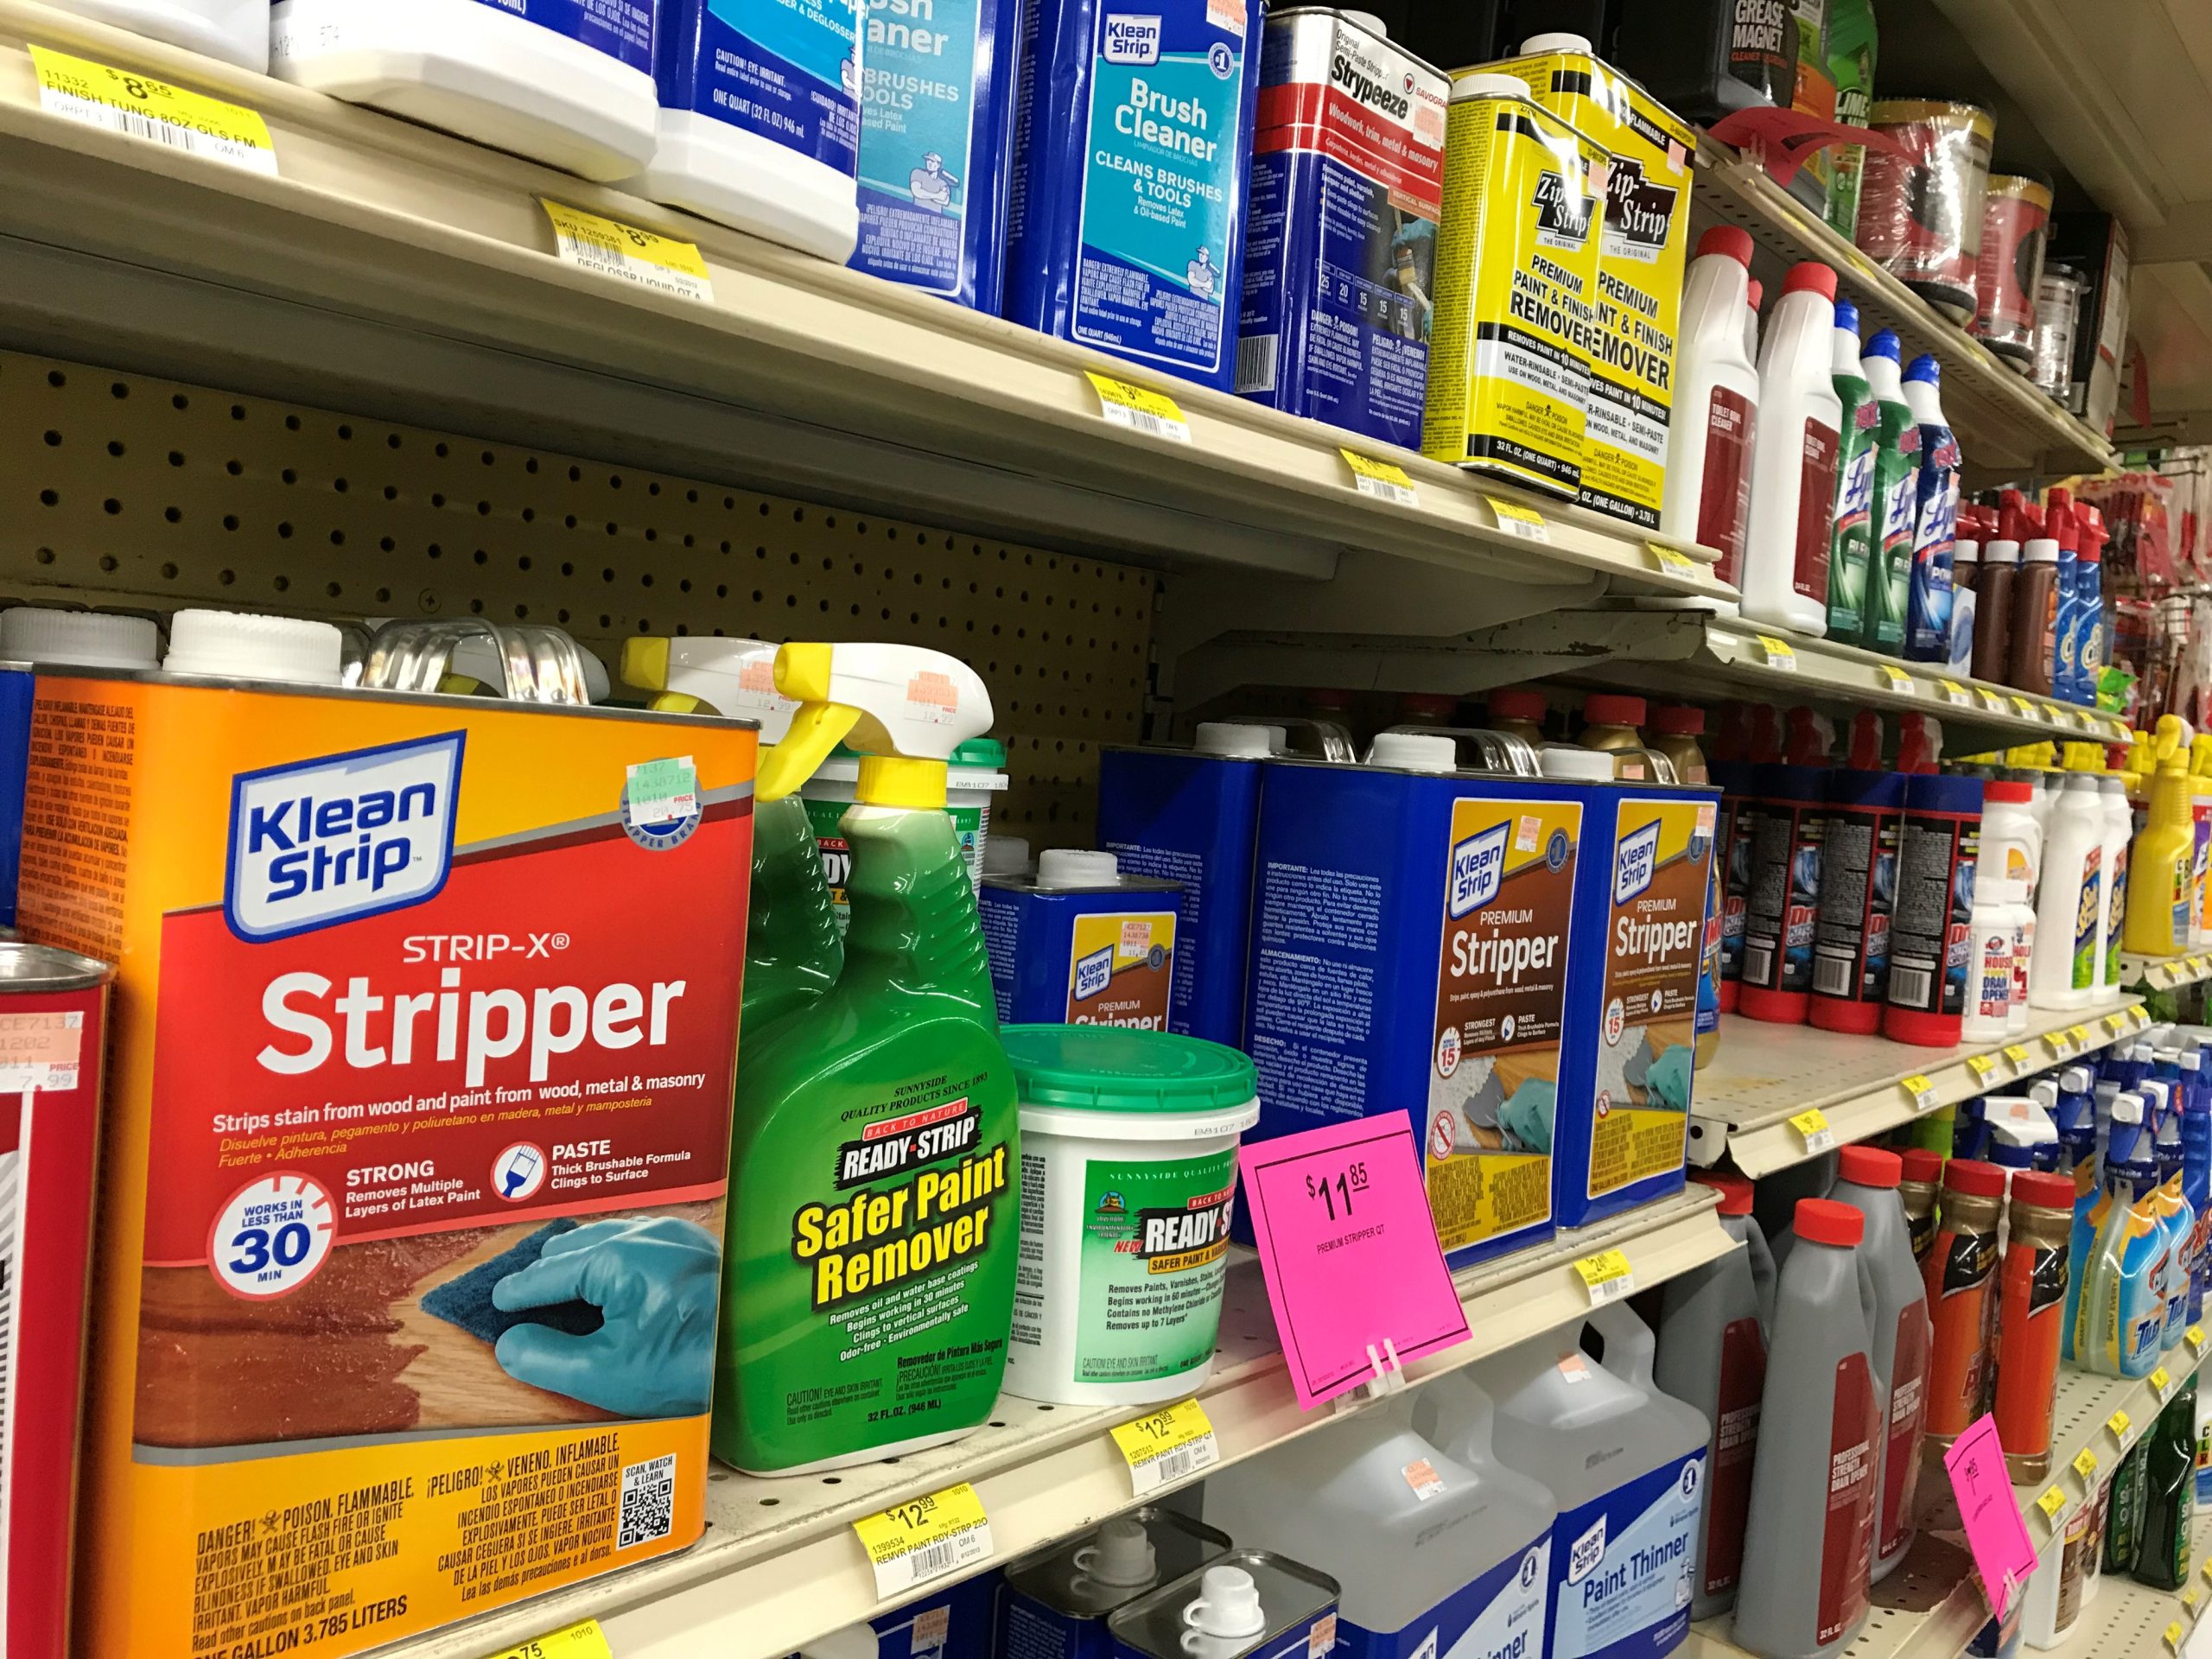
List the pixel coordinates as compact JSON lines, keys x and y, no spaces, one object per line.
{"x":1077,"y":944}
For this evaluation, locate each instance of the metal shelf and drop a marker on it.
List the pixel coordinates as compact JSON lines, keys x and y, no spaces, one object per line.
{"x":2129,"y":1619}
{"x":2005,"y":426}
{"x":2165,"y":973}
{"x":780,"y":1564}
{"x":394,"y":270}
{"x":1766,"y":1074}
{"x":1932,"y":1605}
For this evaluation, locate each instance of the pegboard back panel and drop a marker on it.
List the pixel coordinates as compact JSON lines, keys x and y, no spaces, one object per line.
{"x":129,"y":492}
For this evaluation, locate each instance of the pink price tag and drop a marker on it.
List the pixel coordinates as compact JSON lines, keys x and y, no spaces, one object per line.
{"x":1349,"y":1251}
{"x":49,"y":1037}
{"x":1995,"y":1533}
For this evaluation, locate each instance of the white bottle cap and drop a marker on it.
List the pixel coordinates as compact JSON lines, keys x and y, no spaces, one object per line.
{"x":239,"y":645}
{"x":1413,"y":752}
{"x":2075,"y":1080}
{"x":1370,"y":22}
{"x":2044,"y":1092}
{"x":2127,"y":1107}
{"x":1559,"y":41}
{"x":1006,"y":855}
{"x":1235,"y":740}
{"x":1122,"y":1554}
{"x":2040,"y":550}
{"x":1279,"y":738}
{"x":2189,"y":1060}
{"x":1573,"y":766}
{"x":1485,"y":85}
{"x":2000,"y":551}
{"x":1074,"y":867}
{"x":31,"y":634}
{"x":1227,"y":1604}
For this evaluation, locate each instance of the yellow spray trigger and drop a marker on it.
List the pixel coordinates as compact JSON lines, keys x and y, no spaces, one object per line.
{"x":816,"y":728}
{"x":645,"y":663}
{"x":665,"y":702}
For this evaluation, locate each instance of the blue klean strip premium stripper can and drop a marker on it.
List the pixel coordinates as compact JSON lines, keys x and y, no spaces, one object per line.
{"x":1192,"y":815}
{"x":936,"y":133}
{"x":1133,"y":148}
{"x":1079,"y":943}
{"x":1347,"y":186}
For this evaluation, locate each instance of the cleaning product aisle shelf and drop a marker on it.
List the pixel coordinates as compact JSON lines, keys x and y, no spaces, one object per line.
{"x":2128,"y":1617}
{"x":780,"y":1564}
{"x":1766,"y":1075}
{"x":385,"y":265}
{"x":2164,"y":973}
{"x":1932,"y":1606}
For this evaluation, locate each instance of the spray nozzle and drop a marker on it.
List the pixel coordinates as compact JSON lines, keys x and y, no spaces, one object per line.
{"x":736,"y":677}
{"x":904,"y":709}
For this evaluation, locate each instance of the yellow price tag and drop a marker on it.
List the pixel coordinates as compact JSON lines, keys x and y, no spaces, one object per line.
{"x":584,"y":1641}
{"x":2122,"y":1428}
{"x":2171,"y":1636}
{"x":2056,"y":1042}
{"x":2053,"y":1504}
{"x":1813,"y":1129}
{"x":590,"y":242}
{"x":1517,"y":520}
{"x":1954,"y":691}
{"x":1982,"y":1064}
{"x":2026,"y":706}
{"x":2195,"y":1338}
{"x":2085,"y":1465}
{"x":1168,"y":1446}
{"x":1607,"y":1276}
{"x":1381,"y":478}
{"x":1672,"y":560}
{"x":926,"y":1538}
{"x":1139,"y":408}
{"x":2189,"y":1597}
{"x":2116,"y":1024}
{"x":2080,"y":1034}
{"x":1898,"y":679}
{"x":2162,"y":1383}
{"x":1921,"y":1088}
{"x":139,"y":106}
{"x":2017,"y":1054}
{"x":1990,"y":700}
{"x":1779,"y":653}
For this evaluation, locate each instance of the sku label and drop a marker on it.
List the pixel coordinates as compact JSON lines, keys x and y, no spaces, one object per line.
{"x":787,"y":70}
{"x":919,"y":116}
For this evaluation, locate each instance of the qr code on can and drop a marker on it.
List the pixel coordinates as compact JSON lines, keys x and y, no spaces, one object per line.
{"x":648,"y":1502}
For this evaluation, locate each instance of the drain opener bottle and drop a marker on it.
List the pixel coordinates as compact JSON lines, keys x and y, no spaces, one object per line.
{"x":1711,"y":1355}
{"x":1920,"y":1173}
{"x":1868,"y":1179}
{"x":1859,"y":853}
{"x":1966,"y":579}
{"x":1794,"y":459}
{"x":1850,"y":554}
{"x":1892,"y":503}
{"x":1938,"y":849}
{"x":1959,"y":1275}
{"x":1708,"y":481}
{"x":2035,"y":615}
{"x":1803,"y":1590}
{"x":1610,"y":724}
{"x":1784,"y":898}
{"x":906,"y":1042}
{"x":2030,"y":1318}
{"x":1990,"y":963}
{"x":1935,"y":509}
{"x":2119,"y":863}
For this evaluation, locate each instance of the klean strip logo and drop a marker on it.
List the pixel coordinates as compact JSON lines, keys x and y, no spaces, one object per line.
{"x":1633,"y":866}
{"x":327,"y":841}
{"x":1094,"y":972}
{"x":1477,"y":869}
{"x":1132,"y":38}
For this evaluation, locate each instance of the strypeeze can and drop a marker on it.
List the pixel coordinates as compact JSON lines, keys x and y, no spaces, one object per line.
{"x":1296,"y":1609}
{"x":1079,"y":943}
{"x":1056,"y":1603}
{"x":1347,"y":186}
{"x":53,"y":1023}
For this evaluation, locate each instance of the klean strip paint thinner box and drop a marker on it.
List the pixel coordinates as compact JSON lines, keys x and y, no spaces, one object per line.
{"x":424,"y":1034}
{"x":1347,"y":186}
{"x":1640,"y":259}
{"x":1079,"y":943}
{"x":1517,"y":324}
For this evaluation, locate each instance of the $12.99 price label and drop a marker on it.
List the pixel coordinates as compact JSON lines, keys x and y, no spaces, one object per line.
{"x":1167,"y":1447}
{"x":926,"y":1538}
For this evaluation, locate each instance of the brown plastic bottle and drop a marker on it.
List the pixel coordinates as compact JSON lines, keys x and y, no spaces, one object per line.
{"x":1518,"y":710}
{"x":2035,"y":616}
{"x":1610,"y":723}
{"x":1676,"y":728}
{"x":1993,"y":601}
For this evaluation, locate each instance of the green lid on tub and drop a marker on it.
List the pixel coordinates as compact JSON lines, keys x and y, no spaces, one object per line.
{"x":1116,"y":1069}
{"x":981,"y":751}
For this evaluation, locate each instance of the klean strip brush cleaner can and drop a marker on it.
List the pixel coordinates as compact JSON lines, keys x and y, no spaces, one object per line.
{"x":1347,"y":182}
{"x":1518,"y":322}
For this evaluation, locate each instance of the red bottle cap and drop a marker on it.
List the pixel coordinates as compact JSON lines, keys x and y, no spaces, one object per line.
{"x":1997,"y":788}
{"x":1517,"y":702}
{"x":1755,"y":294}
{"x":2094,"y":535}
{"x":1726,"y":238}
{"x":1434,"y":705}
{"x":1735,"y":1192}
{"x":2040,"y":1187}
{"x":1973,"y":1179}
{"x":1869,"y":1166}
{"x":1866,"y":741}
{"x":1810,"y":277}
{"x":1826,"y":1222}
{"x":1919,"y":1163}
{"x":1678,"y":720}
{"x":1612,"y":708}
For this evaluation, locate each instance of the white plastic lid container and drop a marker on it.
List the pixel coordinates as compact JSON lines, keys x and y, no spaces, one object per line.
{"x":1235,"y":740}
{"x":31,"y":634}
{"x":1129,"y":1143}
{"x":236,"y":31}
{"x":1569,"y":765}
{"x":486,"y":74}
{"x":239,"y":645}
{"x":1413,"y":752}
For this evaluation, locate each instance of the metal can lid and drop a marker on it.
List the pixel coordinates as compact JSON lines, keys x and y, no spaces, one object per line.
{"x":26,"y":967}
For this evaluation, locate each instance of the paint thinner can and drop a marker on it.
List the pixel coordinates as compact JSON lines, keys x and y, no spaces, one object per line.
{"x":52,"y":1021}
{"x":1079,"y":943}
{"x":1517,"y":328}
{"x":1340,"y":262}
{"x":1920,"y":215}
{"x":2008,"y":272}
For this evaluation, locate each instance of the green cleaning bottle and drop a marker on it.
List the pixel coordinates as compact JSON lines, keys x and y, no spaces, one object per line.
{"x":793,"y":947}
{"x":1894,"y":504}
{"x":868,"y":1263}
{"x":1851,"y":38}
{"x":2169,"y":1493}
{"x":1850,"y":552}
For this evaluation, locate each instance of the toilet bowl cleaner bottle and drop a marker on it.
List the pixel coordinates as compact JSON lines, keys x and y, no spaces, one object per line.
{"x":1711,"y":1355}
{"x":1794,"y":459}
{"x":905,"y":1044}
{"x":2123,"y":1304}
{"x":1891,"y":518}
{"x":1708,"y":482}
{"x":1935,"y":514}
{"x":1850,"y":555}
{"x":2070,"y":901}
{"x":1806,"y":1562}
{"x":1754,"y":298}
{"x":2089,"y":614}
{"x":2065,"y":672}
{"x":2122,"y":1128}
{"x":1868,"y":1178}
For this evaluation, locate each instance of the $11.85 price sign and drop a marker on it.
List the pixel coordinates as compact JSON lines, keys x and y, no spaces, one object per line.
{"x":1349,"y":1251}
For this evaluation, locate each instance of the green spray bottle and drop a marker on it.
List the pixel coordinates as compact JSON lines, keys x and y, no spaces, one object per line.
{"x":869,"y":1261}
{"x":1852,"y":37}
{"x":1894,"y":505}
{"x":1851,"y":551}
{"x":793,"y":948}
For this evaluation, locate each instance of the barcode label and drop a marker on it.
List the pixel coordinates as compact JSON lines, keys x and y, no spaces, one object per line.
{"x":213,"y":146}
{"x":949,"y":1554}
{"x":1257,"y":356}
{"x":1908,"y":987}
{"x":1758,"y":963}
{"x":1833,"y":975}
{"x":1147,"y":423}
{"x":1150,"y":1474}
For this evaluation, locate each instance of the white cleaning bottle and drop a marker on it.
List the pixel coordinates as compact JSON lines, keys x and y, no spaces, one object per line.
{"x":1708,"y":493}
{"x":1427,"y":1545}
{"x":1754,"y":296}
{"x":2119,"y":837}
{"x":570,"y":86}
{"x":1794,"y":459}
{"x":2070,"y":900}
{"x":236,"y":31}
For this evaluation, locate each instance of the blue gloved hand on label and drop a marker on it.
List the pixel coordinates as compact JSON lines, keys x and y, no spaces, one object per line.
{"x":655,"y":1282}
{"x":1527,"y":1116}
{"x":1668,"y":1079}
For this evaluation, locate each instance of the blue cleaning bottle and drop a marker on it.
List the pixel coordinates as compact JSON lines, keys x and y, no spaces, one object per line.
{"x":2197,"y":1187}
{"x":1928,"y":602}
{"x":2124,"y":1295}
{"x":2065,"y":635}
{"x":2092,"y":1216}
